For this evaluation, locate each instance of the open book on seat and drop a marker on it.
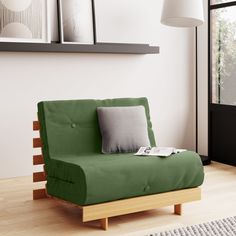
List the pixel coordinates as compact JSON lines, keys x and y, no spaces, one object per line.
{"x":158,"y":151}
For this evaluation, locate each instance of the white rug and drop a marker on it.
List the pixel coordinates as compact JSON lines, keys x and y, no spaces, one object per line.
{"x":224,"y":227}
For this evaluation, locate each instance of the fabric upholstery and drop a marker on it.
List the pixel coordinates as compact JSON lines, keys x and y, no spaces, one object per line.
{"x":97,"y":178}
{"x":71,"y":127}
{"x":78,"y":172}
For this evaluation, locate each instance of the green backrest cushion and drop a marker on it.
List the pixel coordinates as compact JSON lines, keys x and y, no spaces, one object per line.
{"x":71,"y":127}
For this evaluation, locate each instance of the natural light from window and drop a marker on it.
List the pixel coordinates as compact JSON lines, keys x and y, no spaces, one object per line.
{"x":223,"y":39}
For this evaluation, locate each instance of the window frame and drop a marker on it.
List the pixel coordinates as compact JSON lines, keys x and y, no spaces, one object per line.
{"x":210,"y":8}
{"x":214,"y":106}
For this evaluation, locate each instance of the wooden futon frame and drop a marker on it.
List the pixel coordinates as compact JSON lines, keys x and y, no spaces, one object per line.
{"x":103,"y":211}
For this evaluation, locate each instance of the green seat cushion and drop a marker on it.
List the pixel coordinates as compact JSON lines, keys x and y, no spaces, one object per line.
{"x":96,"y":178}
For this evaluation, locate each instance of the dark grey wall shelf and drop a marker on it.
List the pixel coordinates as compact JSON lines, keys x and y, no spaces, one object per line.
{"x":117,"y":48}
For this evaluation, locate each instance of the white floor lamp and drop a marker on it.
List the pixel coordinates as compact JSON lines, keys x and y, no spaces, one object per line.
{"x":185,"y":13}
{"x":182,"y":13}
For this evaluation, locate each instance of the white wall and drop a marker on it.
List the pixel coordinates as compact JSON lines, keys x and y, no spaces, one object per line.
{"x":166,"y":79}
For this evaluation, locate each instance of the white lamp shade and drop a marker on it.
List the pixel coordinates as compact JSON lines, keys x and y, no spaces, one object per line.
{"x":182,"y":13}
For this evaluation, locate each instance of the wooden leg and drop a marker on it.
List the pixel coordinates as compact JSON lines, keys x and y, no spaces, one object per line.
{"x":104,"y":223}
{"x":178,"y":209}
{"x":39,"y":194}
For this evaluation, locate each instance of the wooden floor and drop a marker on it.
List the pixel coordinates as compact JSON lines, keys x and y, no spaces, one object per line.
{"x":19,"y":215}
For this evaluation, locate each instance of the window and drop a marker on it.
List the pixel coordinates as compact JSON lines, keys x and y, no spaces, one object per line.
{"x":223,"y":51}
{"x":219,"y":1}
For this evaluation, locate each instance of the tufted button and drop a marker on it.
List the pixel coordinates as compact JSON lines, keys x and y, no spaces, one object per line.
{"x":146,"y":188}
{"x":73,"y":125}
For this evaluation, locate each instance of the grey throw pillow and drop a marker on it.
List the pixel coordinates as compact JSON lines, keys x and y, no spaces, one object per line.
{"x":123,"y":129}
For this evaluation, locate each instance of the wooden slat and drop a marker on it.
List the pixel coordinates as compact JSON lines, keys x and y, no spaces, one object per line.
{"x":39,"y":177}
{"x":44,"y":170}
{"x":36,"y":125}
{"x":38,"y":160}
{"x":37,"y":143}
{"x":137,"y":204}
{"x":39,"y":193}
